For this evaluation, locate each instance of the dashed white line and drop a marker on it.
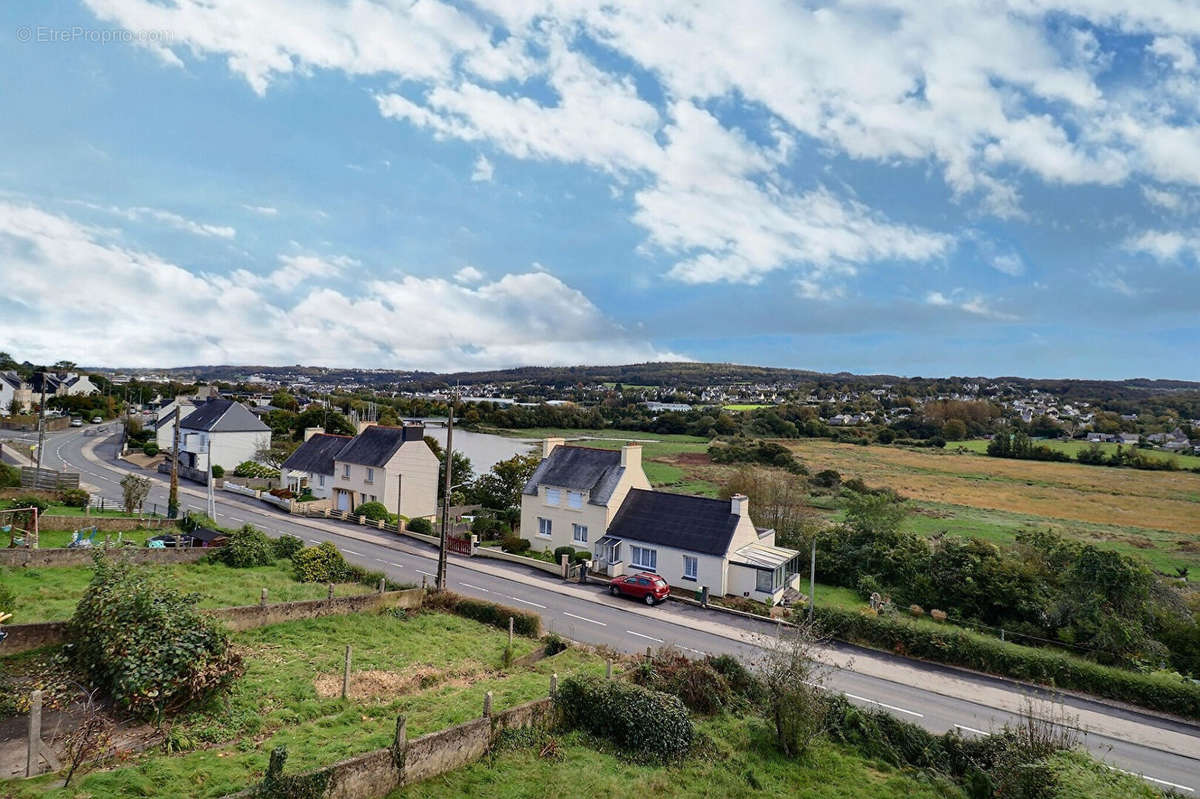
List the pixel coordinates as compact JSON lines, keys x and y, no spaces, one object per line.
{"x":971,"y":729}
{"x":889,"y":707}
{"x":643,"y":635}
{"x":527,"y":602}
{"x":429,"y":574}
{"x":351,"y":552}
{"x":475,"y":587}
{"x":583,"y":618}
{"x":697,"y":651}
{"x":236,"y":519}
{"x":397,"y":565}
{"x":379,"y":560}
{"x":1152,"y":779}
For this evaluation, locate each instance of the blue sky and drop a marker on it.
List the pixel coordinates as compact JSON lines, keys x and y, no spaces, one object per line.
{"x":878,"y":186}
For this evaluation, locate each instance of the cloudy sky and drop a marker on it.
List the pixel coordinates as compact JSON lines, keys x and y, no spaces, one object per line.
{"x":898,"y":186}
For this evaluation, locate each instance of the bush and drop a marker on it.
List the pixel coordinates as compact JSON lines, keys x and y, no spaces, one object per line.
{"x":552,"y":643}
{"x":490,"y":613}
{"x":145,"y":644}
{"x":422,"y":526}
{"x":514,"y":545}
{"x":827,"y":478}
{"x":246,"y":548}
{"x":8,"y":600}
{"x":74,"y":498}
{"x":10,"y":476}
{"x":742,"y":682}
{"x":218,"y":470}
{"x":29,"y":501}
{"x":560,"y":551}
{"x":582,"y":556}
{"x":254,"y":469}
{"x":150,"y":449}
{"x":644,"y":722}
{"x":697,"y":684}
{"x":375,"y":511}
{"x":286,"y":546}
{"x":320,"y":564}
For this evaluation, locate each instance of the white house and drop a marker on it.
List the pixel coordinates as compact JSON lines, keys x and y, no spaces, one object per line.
{"x":697,"y":542}
{"x":574,"y":493}
{"x":164,"y":422}
{"x":392,"y":465}
{"x":221,"y":432}
{"x":68,"y":384}
{"x":13,"y":388}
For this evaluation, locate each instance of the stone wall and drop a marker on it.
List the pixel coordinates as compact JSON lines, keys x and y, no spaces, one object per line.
{"x":42,"y":558}
{"x":24,"y":637}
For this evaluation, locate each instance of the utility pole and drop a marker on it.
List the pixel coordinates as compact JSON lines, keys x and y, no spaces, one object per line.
{"x":212,"y":502}
{"x":445,"y":537}
{"x":173,"y":497}
{"x":812,"y":580}
{"x":41,"y":429}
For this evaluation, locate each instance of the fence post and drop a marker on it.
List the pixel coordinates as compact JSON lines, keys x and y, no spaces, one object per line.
{"x":565,"y":562}
{"x":510,"y":630}
{"x":487,"y":704}
{"x":400,"y":742}
{"x":554,"y":685}
{"x":649,"y":653}
{"x":608,"y":669}
{"x":346,"y":675}
{"x":35,"y":734}
{"x":262,"y":599}
{"x":331,"y":590}
{"x":382,"y":583}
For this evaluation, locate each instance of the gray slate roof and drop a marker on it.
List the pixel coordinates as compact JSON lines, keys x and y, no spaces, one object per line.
{"x":223,"y":416}
{"x":596,"y":471}
{"x":696,"y":524}
{"x":316,"y":455}
{"x":376,"y":445}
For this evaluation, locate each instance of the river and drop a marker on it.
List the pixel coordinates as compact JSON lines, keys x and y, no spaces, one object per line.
{"x":484,"y":449}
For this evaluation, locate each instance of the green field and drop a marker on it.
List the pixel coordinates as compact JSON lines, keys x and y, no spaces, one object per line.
{"x":663,"y":474}
{"x":747,"y":407}
{"x":52,"y":539}
{"x":47,"y":594}
{"x":569,"y":433}
{"x":1073,"y":448}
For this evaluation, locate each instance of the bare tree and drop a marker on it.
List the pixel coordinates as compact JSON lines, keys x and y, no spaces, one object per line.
{"x":89,"y":737}
{"x":134,"y":491}
{"x":794,"y":697}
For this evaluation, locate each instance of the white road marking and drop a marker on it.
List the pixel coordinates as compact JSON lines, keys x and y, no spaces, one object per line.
{"x":397,"y":565}
{"x":1152,"y":779}
{"x":430,"y":574}
{"x":697,"y":651}
{"x":582,"y":618}
{"x":889,"y":707}
{"x":643,"y":635}
{"x":971,"y":729}
{"x":351,"y":552}
{"x":236,"y":519}
{"x":527,"y":602}
{"x":379,"y":560}
{"x":475,"y":587}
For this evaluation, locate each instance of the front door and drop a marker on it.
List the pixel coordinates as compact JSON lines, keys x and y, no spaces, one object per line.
{"x":343,"y":500}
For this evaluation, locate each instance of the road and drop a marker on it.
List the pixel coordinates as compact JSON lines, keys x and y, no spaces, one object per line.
{"x":587,"y":614}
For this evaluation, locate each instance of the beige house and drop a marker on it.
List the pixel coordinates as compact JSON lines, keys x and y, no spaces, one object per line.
{"x":392,"y":465}
{"x":575,"y":492}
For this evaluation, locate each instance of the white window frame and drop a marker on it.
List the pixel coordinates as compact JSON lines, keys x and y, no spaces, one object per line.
{"x":553,"y":497}
{"x":643,"y":558}
{"x":545,"y":527}
{"x":345,"y":471}
{"x":579,"y":533}
{"x":575,"y":500}
{"x":370,"y":475}
{"x":759,"y":578}
{"x":321,"y":480}
{"x":694,"y":563}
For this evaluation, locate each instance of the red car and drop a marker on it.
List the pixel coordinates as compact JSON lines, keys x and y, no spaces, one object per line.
{"x":650,"y":588}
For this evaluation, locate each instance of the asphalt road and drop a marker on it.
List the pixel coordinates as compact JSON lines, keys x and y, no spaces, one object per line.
{"x":599,"y":619}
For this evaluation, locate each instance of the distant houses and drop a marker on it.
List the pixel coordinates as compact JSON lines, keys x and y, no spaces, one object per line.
{"x":221,"y":432}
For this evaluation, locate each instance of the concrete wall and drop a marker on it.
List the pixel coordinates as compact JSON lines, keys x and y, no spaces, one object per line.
{"x":42,"y":558}
{"x":499,"y":554}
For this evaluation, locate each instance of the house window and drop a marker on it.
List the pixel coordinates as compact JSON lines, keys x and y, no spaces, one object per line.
{"x":689,"y":567}
{"x":543,"y":526}
{"x":345,"y":471}
{"x":553,"y":496}
{"x":321,"y":481}
{"x":643,"y":558}
{"x":575,"y":500}
{"x":370,"y":475}
{"x":766,"y":582}
{"x":579,"y":533}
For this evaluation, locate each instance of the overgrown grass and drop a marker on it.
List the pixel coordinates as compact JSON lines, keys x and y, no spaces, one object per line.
{"x":47,"y":594}
{"x":277,"y":703}
{"x":1074,"y":447}
{"x":605,"y":432}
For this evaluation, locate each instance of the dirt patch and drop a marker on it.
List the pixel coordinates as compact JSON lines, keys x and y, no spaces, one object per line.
{"x":691,"y":459}
{"x":374,"y":683}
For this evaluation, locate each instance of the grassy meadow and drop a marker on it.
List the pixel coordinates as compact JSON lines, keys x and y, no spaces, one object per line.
{"x":1073,"y":448}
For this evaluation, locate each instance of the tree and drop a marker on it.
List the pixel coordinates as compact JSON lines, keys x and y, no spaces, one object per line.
{"x":134,"y":491}
{"x":331,"y":420}
{"x":501,"y":487}
{"x":954,"y":430}
{"x":794,"y":699}
{"x":877,"y":513}
{"x":283,"y":399}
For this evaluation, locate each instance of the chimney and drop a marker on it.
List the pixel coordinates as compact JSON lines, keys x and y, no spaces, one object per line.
{"x":309,"y":432}
{"x":631,"y":455}
{"x":364,"y":425}
{"x":549,"y":444}
{"x":739,"y":504}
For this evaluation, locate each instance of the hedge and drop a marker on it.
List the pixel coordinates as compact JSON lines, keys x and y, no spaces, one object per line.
{"x":646,"y":723}
{"x":490,"y":613}
{"x":1160,"y":691}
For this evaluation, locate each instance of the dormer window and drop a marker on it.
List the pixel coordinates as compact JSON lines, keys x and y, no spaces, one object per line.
{"x":553,"y":497}
{"x":575,"y":500}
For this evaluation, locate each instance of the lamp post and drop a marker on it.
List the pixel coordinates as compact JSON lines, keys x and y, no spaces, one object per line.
{"x":445,"y":536}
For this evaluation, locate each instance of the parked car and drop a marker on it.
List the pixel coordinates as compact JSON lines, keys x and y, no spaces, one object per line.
{"x":76,"y":423}
{"x":650,"y":588}
{"x":97,"y":420}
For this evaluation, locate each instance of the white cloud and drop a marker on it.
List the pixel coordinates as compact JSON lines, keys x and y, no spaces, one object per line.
{"x":468,"y":274}
{"x":265,"y":210}
{"x":79,"y":282}
{"x":972,"y":304}
{"x":1164,"y":245}
{"x":1009,"y":263}
{"x":483,"y":170}
{"x":1175,"y":49}
{"x":169,"y":218}
{"x":1167,"y":200}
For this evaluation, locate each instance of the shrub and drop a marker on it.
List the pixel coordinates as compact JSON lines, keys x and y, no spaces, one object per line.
{"x":218,"y":470}
{"x":514,"y":545}
{"x":29,"y":501}
{"x":644,"y":722}
{"x":827,"y":478}
{"x":742,"y":681}
{"x":320,"y":564}
{"x":254,"y":469}
{"x":247,"y":547}
{"x":421,"y":526}
{"x":286,"y":546}
{"x":10,"y":476}
{"x":560,"y":551}
{"x":145,"y":644}
{"x":375,"y":511}
{"x":490,"y":613}
{"x":582,"y":556}
{"x":150,"y":449}
{"x":697,"y":684}
{"x":552,"y":643}
{"x":74,"y":498}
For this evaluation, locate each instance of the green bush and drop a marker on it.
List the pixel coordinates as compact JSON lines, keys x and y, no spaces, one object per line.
{"x":29,"y":501}
{"x":490,"y":613}
{"x":742,"y":682}
{"x":375,"y":511}
{"x":145,"y":644}
{"x":254,"y":469}
{"x":150,"y":449}
{"x":247,"y":547}
{"x":560,"y":551}
{"x":320,"y":564}
{"x":1157,"y":691}
{"x":422,"y":526}
{"x":701,"y":687}
{"x":218,"y":470}
{"x":581,"y":556}
{"x":514,"y":545}
{"x":10,"y":476}
{"x":552,"y":643}
{"x":647,"y":724}
{"x":74,"y":498}
{"x":287,"y":546}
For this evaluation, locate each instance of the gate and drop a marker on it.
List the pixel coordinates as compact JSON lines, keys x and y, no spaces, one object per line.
{"x":462,"y":546}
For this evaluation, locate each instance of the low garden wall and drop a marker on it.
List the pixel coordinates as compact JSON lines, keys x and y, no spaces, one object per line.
{"x":24,"y":637}
{"x":537,"y":563}
{"x":43,"y":558}
{"x":105,"y":524}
